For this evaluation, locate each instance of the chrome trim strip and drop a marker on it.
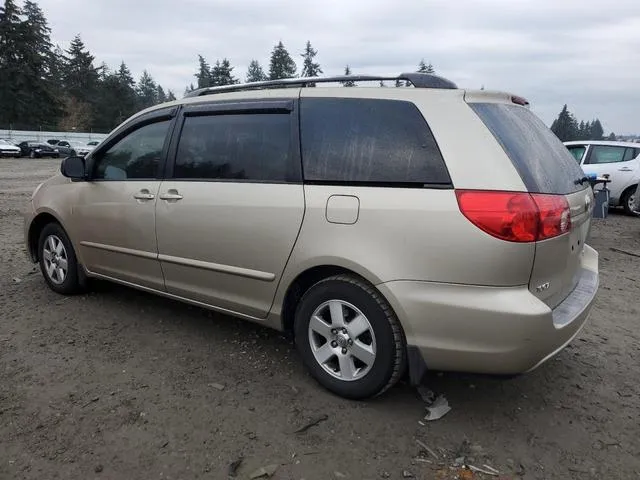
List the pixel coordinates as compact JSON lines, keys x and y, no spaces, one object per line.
{"x":123,"y":250}
{"x":216,"y":267}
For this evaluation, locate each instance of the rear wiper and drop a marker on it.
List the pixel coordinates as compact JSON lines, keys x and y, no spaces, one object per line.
{"x":581,"y":181}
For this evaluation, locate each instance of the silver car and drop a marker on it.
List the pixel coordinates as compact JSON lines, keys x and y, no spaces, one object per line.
{"x":388,"y":229}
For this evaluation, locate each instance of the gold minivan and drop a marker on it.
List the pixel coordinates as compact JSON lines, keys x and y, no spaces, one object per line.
{"x":388,"y":229}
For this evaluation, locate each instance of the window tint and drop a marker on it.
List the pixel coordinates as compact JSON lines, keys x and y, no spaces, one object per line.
{"x":368,"y":141}
{"x":252,"y":147}
{"x":543,"y":162}
{"x":630,"y":154}
{"x":605,"y":154}
{"x":136,"y":156}
{"x":577,"y":151}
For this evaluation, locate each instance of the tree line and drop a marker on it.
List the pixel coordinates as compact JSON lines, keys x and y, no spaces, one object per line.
{"x":567,"y":128}
{"x":281,"y":66}
{"x":42,"y":85}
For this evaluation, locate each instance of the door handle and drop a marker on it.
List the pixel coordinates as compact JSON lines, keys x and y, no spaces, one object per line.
{"x":625,"y":169}
{"x":171,"y":195}
{"x":144,"y":194}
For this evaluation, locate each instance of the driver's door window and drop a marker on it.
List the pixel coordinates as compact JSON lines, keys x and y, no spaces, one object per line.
{"x":136,"y":156}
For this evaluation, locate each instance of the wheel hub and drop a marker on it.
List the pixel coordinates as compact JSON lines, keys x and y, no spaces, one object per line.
{"x":342,"y":339}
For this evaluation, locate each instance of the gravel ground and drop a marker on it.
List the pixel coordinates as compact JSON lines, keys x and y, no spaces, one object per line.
{"x":119,"y":384}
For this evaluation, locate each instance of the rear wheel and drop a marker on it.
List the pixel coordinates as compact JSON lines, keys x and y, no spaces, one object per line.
{"x":349,"y":337}
{"x":628,"y":199}
{"x":58,"y":261}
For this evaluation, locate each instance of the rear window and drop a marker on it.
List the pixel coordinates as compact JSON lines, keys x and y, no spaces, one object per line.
{"x":368,"y":141}
{"x":541,"y":159}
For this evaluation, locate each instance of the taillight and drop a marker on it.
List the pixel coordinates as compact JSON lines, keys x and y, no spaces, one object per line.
{"x":516,"y":216}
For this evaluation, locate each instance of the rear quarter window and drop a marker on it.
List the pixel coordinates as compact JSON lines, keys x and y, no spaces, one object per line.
{"x":543,"y":162}
{"x":369,"y":141}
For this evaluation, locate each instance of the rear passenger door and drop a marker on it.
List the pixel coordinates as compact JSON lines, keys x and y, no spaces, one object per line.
{"x":232,"y":203}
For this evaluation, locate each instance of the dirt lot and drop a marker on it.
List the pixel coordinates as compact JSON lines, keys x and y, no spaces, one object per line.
{"x":119,"y":384}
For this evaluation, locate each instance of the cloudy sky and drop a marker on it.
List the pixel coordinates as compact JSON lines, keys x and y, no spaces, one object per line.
{"x":585,"y":53}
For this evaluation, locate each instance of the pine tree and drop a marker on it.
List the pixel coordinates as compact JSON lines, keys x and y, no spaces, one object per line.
{"x":596,"y":131}
{"x":425,"y":68}
{"x":221,"y":74}
{"x":612,"y":137}
{"x":309,"y":67}
{"x":583,"y":134}
{"x":11,"y":94}
{"x":147,"y":91}
{"x":80,"y":76}
{"x":565,"y":126}
{"x":160,"y":95}
{"x":255,"y":73}
{"x":348,"y":83}
{"x":204,"y":73}
{"x":171,"y":96}
{"x":281,"y":64}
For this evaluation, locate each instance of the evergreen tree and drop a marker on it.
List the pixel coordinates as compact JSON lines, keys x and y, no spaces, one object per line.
{"x":255,"y":73}
{"x":160,"y":95}
{"x":612,"y":136}
{"x":204,"y":73}
{"x":80,"y":77}
{"x":425,"y":68}
{"x":583,"y":133}
{"x":348,"y":83}
{"x":12,"y":96}
{"x":221,"y":74}
{"x":147,"y":91}
{"x":281,"y":64}
{"x":565,"y":126}
{"x":596,"y":131}
{"x":171,"y":96}
{"x":309,"y":67}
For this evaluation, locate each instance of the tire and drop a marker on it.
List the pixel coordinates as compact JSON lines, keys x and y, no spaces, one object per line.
{"x":54,"y":241}
{"x":356,"y":374}
{"x":32,"y":154}
{"x":627,"y":201}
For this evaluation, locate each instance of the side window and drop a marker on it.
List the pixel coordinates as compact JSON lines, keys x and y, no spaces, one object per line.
{"x":630,"y":154}
{"x":577,"y":151}
{"x":365,"y":141}
{"x":605,"y":154}
{"x":136,"y":156}
{"x":249,"y":147}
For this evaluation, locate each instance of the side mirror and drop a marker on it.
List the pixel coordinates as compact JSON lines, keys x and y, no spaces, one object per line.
{"x":73,"y":167}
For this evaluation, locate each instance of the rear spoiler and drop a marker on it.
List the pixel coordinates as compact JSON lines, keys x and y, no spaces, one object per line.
{"x":486,"y":96}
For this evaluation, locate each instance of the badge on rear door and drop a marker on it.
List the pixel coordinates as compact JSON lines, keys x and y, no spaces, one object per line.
{"x":543,"y":287}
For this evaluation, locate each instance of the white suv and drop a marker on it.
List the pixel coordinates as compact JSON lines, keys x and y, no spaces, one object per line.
{"x":619,"y":160}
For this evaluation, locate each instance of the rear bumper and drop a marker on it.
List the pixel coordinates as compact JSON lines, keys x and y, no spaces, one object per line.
{"x":491,"y":330}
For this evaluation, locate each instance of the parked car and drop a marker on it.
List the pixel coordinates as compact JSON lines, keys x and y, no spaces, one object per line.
{"x":37,"y":149}
{"x":354,"y":218}
{"x":74,"y":147}
{"x":93,"y":143}
{"x":619,"y":160}
{"x":8,"y":149}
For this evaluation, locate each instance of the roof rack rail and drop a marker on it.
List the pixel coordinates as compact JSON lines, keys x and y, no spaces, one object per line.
{"x":418,"y":80}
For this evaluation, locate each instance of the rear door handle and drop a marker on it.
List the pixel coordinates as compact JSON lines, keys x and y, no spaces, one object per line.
{"x":171,"y":195}
{"x":144,"y":194}
{"x":625,"y":169}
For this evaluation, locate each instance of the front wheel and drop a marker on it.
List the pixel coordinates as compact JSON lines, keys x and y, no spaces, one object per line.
{"x":349,"y":337}
{"x":628,"y":200}
{"x":58,"y":261}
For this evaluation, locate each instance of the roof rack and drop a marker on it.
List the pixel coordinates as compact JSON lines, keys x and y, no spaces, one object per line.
{"x":418,"y":80}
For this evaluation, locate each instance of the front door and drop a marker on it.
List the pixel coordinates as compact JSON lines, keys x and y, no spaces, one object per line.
{"x":230,"y":209}
{"x":115,"y":210}
{"x":618,"y":162}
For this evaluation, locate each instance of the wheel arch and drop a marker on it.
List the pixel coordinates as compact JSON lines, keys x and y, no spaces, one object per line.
{"x":38,"y":223}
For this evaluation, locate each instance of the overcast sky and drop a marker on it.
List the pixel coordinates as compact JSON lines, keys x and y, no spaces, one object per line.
{"x":585,"y":53}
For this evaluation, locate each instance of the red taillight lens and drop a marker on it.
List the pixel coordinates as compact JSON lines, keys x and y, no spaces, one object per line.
{"x":516,"y":216}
